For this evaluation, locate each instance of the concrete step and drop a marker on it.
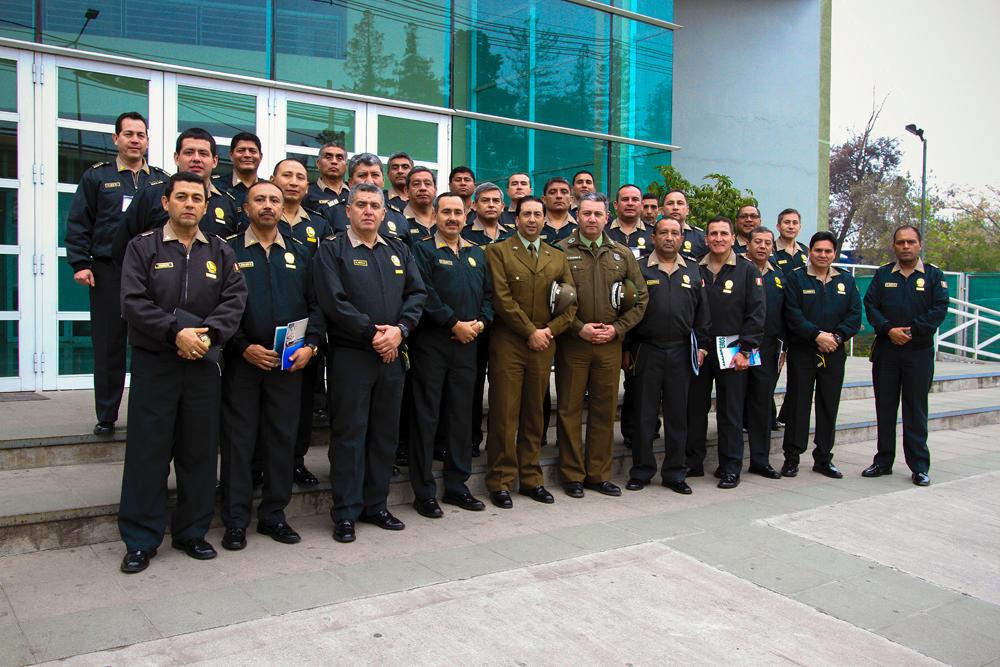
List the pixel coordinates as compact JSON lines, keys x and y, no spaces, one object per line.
{"x":69,"y":449}
{"x":72,"y":505}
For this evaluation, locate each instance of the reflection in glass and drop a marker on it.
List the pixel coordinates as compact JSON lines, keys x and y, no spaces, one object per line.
{"x":8,"y":282}
{"x":79,"y":150}
{"x":100,"y":98}
{"x":65,"y":201}
{"x":9,"y":346}
{"x":72,"y":297}
{"x":416,"y":137}
{"x":8,"y":80}
{"x":220,"y":112}
{"x":313,"y":125}
{"x":76,"y":353}
{"x":637,"y":164}
{"x":8,"y":149}
{"x":8,"y":216}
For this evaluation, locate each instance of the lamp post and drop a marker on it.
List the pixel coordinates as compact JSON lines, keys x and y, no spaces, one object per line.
{"x":919,"y":133}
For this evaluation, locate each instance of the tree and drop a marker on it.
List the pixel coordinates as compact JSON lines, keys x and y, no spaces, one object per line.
{"x":415,"y":79}
{"x":720,"y":197}
{"x":366,"y":59}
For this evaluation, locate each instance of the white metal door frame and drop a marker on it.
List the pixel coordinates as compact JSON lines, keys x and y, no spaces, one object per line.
{"x":443,"y":122}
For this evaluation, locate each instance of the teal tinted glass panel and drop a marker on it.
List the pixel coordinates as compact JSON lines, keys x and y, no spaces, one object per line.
{"x":8,"y":83}
{"x":540,"y":61}
{"x":658,"y":9}
{"x":72,"y":297}
{"x":636,"y":164}
{"x":224,"y":35}
{"x":76,"y":353}
{"x":416,"y":137}
{"x":79,"y":150}
{"x":395,"y":48}
{"x":642,"y":79}
{"x":99,"y":98}
{"x":9,"y":346}
{"x":314,"y":125}
{"x":8,"y":216}
{"x":220,"y":112}
{"x":65,"y":201}
{"x":8,"y":282}
{"x":18,"y":19}
{"x":8,"y":149}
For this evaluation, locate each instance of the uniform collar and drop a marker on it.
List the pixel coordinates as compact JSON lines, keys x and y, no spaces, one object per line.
{"x":654,"y":261}
{"x":570,"y":220}
{"x":326,"y":187}
{"x":580,"y":239}
{"x":767,"y":265}
{"x":250,"y":238}
{"x":439,"y":242}
{"x":409,"y":213}
{"x":299,"y":216}
{"x":477,"y":226}
{"x":168,"y":234}
{"x":731,"y":260}
{"x":212,"y":190}
{"x":641,"y":226}
{"x":791,"y":250}
{"x":356,"y":240}
{"x":919,"y":268}
{"x":121,"y":166}
{"x":537,"y":243}
{"x":393,"y":192}
{"x":811,"y":272}
{"x":237,"y":181}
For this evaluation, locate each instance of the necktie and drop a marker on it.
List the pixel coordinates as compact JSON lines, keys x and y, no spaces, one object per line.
{"x":533,"y":254}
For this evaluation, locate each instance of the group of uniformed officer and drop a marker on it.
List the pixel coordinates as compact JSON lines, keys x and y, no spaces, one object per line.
{"x":413,"y":299}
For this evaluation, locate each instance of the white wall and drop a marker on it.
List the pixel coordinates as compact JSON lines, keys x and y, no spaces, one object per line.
{"x":746,"y":98}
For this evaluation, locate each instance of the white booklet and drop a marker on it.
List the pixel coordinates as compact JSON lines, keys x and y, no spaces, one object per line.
{"x":728,"y":347}
{"x":288,"y":339}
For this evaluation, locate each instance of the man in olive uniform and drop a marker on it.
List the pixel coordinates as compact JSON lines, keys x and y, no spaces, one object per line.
{"x":329,"y":188}
{"x":195,"y":152}
{"x":183,"y":297}
{"x":736,"y":300}
{"x":589,"y":354}
{"x":675,"y":205}
{"x":367,"y":168}
{"x":261,"y":394}
{"x":659,"y":357}
{"x":522,"y":346}
{"x":822,"y":313}
{"x":906,"y":302}
{"x":245,"y":152}
{"x":105,"y":191}
{"x":371,"y":293}
{"x":458,"y":310}
{"x":628,"y":227}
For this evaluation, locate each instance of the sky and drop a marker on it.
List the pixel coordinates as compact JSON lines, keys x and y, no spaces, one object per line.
{"x":939,"y":64}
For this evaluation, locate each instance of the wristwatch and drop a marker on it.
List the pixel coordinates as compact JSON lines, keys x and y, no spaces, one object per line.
{"x":481,"y":326}
{"x":403,"y":329}
{"x":312,"y":346}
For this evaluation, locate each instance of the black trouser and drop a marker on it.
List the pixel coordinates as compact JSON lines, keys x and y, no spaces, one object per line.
{"x":108,"y":334}
{"x":899,"y":371}
{"x":443,"y":375}
{"x":365,"y":397}
{"x":258,"y":407}
{"x":806,"y":369}
{"x":730,"y":392}
{"x":482,"y":361}
{"x":661,"y":378}
{"x":759,"y":406}
{"x":173,"y":413}
{"x":312,"y":382}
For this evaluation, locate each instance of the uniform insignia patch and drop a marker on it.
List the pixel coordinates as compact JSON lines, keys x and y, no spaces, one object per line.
{"x":944,"y":284}
{"x":112,"y":184}
{"x":472,"y":261}
{"x":361,"y":262}
{"x":311,"y":232}
{"x":729,"y":284}
{"x":760,"y":282}
{"x":210,"y":266}
{"x":891,"y":285}
{"x":219,"y":213}
{"x":841,"y":287}
{"x":808,"y":291}
{"x":777,"y":282}
{"x":395,"y":261}
{"x":617,"y":257}
{"x":289,"y":258}
{"x":641,"y":241}
{"x":686,"y":279}
{"x":687,"y":245}
{"x":392,"y":226}
{"x":163,"y":265}
{"x":920,"y":282}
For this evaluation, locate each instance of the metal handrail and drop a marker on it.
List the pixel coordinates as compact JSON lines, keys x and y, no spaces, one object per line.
{"x":975,"y":315}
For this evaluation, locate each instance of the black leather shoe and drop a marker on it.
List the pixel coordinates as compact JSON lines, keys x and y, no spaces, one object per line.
{"x":680,"y":487}
{"x":234,"y":539}
{"x":828,"y":470}
{"x":634,"y":484}
{"x":257,"y":478}
{"x":695,"y":472}
{"x":765,"y":471}
{"x":321,"y":418}
{"x":466,"y":501}
{"x":196,"y":548}
{"x":303,"y":477}
{"x":280,"y":532}
{"x":718,"y":473}
{"x":475,"y":450}
{"x":875,"y":470}
{"x":574,"y":489}
{"x":402,"y":457}
{"x":501,"y":499}
{"x":921,"y":479}
{"x":428,"y":507}
{"x":107,"y":428}
{"x":343,"y":530}
{"x":383,"y":519}
{"x":729,"y":481}
{"x":607,"y":488}
{"x":789,"y":469}
{"x":538,"y":494}
{"x":137,"y":561}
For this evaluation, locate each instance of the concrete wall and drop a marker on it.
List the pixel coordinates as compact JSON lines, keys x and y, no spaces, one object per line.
{"x":747,"y":99}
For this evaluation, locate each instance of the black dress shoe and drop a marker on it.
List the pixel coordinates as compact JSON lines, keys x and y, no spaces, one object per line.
{"x":280,"y":532}
{"x":538,"y":494}
{"x":765,"y":471}
{"x":875,"y":470}
{"x":428,"y":507}
{"x":257,"y":478}
{"x":921,"y":479}
{"x":828,"y":470}
{"x":729,"y":481}
{"x":695,"y":472}
{"x":501,"y":499}
{"x":718,"y":473}
{"x":321,"y":418}
{"x":680,"y":487}
{"x":196,"y":548}
{"x":234,"y":539}
{"x":789,"y":469}
{"x":107,"y":428}
{"x":343,"y":530}
{"x":303,"y":477}
{"x":574,"y":489}
{"x":466,"y":501}
{"x":634,"y":484}
{"x":606,"y":487}
{"x":383,"y":519}
{"x":402,"y":457}
{"x":475,"y":450}
{"x":137,"y":560}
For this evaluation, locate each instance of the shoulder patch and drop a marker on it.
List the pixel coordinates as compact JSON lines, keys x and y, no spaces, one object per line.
{"x":147,"y":233}
{"x":98,"y":164}
{"x":229,"y":194}
{"x":231,"y":237}
{"x":295,"y":240}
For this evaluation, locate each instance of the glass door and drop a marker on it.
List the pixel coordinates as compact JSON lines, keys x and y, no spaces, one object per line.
{"x":426,"y":137}
{"x":303,"y":123}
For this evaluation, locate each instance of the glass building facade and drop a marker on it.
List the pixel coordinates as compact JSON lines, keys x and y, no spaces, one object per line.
{"x":549,"y":87}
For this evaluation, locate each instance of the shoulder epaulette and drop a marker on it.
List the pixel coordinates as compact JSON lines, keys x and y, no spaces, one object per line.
{"x":312,"y":211}
{"x":156,"y":169}
{"x":98,"y":164}
{"x":229,"y":194}
{"x":231,"y":237}
{"x":296,"y":240}
{"x":147,"y":233}
{"x":395,"y":208}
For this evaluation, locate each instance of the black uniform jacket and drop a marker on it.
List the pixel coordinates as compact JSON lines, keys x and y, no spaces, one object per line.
{"x":105,"y":191}
{"x":774,"y":303}
{"x":919,"y":302}
{"x":812,"y":306}
{"x":279,"y":290}
{"x":787,"y":260}
{"x":640,"y":241}
{"x":678,"y":305}
{"x":160,"y":275}
{"x":736,"y":298}
{"x":320,"y":195}
{"x":459,"y":287}
{"x":694,"y":245}
{"x":306,"y":226}
{"x":394,"y":225}
{"x":475,"y":232}
{"x":359,"y":287}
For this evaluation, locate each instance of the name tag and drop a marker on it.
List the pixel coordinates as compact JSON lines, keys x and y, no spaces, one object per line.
{"x":637,"y":252}
{"x":126,"y":200}
{"x":289,"y":266}
{"x":446,"y":262}
{"x":112,"y":184}
{"x":688,"y":286}
{"x":212,"y":276}
{"x":399,"y":272}
{"x":220,"y":221}
{"x":311,"y":239}
{"x":163,"y":265}
{"x":245,"y":265}
{"x":891,"y":285}
{"x":361,"y":262}
{"x":808,"y":291}
{"x":652,"y":282}
{"x":782,"y":261}
{"x":568,"y":258}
